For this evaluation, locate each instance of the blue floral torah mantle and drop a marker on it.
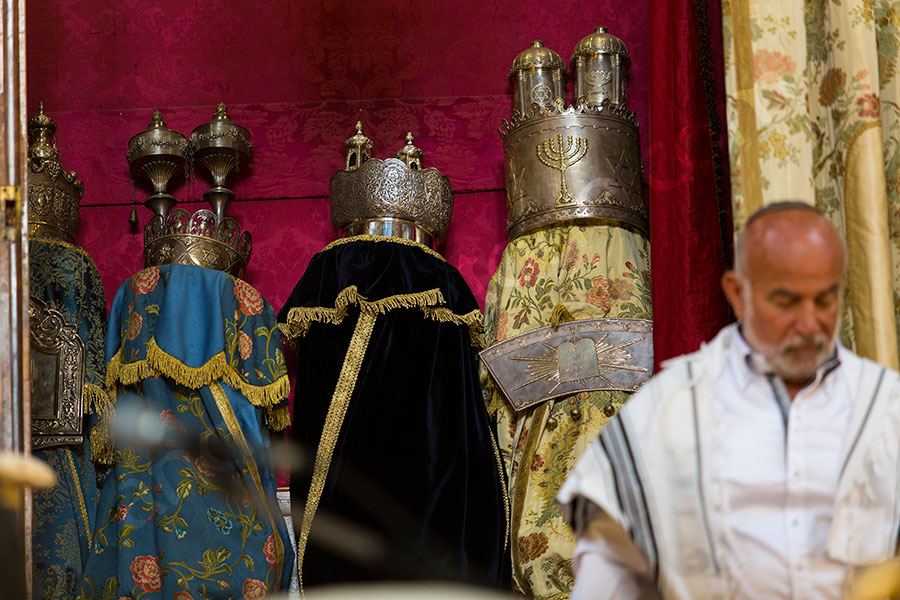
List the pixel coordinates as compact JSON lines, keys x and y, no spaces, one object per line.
{"x":196,"y":370}
{"x":65,"y":278}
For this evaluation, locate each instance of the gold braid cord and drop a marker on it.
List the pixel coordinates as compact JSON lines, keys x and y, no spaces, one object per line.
{"x":502,"y":481}
{"x":80,"y":495}
{"x":384,"y":238}
{"x":237,"y":434}
{"x":333,"y":422}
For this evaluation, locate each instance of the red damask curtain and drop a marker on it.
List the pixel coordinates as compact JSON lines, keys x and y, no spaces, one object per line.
{"x":299,"y":75}
{"x":690,"y":210}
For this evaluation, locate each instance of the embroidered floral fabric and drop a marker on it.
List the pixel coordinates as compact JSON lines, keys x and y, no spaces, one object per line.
{"x":814,"y":115}
{"x":64,"y":277}
{"x":592,"y":271}
{"x":188,"y":511}
{"x":196,"y":326}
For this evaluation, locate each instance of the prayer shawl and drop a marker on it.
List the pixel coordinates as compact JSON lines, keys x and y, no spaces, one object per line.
{"x":647,"y":472}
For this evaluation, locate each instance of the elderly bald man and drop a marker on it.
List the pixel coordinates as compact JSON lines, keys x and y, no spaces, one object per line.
{"x":764,"y":465}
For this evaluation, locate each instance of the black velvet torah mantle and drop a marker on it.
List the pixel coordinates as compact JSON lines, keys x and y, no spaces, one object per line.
{"x":414,"y":489}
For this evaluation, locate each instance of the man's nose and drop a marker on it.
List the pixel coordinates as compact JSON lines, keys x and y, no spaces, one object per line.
{"x":807,"y":322}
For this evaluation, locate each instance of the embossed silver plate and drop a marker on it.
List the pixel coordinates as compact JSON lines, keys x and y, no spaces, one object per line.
{"x":578,"y":356}
{"x":57,"y":378}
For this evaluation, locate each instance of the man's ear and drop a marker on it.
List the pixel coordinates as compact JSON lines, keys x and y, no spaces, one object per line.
{"x":733,"y":287}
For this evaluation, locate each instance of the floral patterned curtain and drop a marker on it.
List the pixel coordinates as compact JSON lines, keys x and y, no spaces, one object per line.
{"x":813,"y":114}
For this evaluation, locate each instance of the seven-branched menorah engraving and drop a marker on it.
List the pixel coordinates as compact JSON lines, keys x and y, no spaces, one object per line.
{"x":560,"y":155}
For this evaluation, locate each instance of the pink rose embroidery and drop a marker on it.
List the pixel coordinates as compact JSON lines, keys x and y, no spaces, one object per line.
{"x":135,"y":322}
{"x":249,"y":300}
{"x":270,"y":550}
{"x":528,"y":274}
{"x":254,"y":589}
{"x":869,"y":106}
{"x":146,"y":573}
{"x":245,"y":345}
{"x":144,"y":281}
{"x":769,"y":67}
{"x":170,"y":421}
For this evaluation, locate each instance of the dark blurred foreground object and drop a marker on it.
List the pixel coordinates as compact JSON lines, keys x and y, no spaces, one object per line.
{"x":16,"y":472}
{"x":387,"y":392}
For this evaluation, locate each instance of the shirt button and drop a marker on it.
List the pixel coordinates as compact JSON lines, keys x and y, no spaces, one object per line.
{"x":795,"y":522}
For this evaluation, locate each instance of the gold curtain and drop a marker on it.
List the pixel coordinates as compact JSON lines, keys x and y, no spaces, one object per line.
{"x":814,"y":114}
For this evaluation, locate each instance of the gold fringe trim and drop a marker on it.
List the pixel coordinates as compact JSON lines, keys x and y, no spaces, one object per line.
{"x":384,"y":238}
{"x":159,"y":362}
{"x":237,"y":434}
{"x":98,"y":402}
{"x":95,"y":400}
{"x":101,"y":442}
{"x":474,"y":320}
{"x":287,"y":338}
{"x":278,"y":418}
{"x":300,"y":318}
{"x":334,"y":420}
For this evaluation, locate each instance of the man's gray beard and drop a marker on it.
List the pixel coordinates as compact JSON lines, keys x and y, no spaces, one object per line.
{"x":779,"y":358}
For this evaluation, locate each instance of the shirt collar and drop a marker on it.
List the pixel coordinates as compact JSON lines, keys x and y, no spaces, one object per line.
{"x":747,"y":364}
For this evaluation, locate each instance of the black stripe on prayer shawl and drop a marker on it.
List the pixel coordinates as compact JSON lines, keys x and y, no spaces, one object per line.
{"x":897,"y":541}
{"x":864,"y":421}
{"x":630,"y":489}
{"x":601,"y":446}
{"x":699,"y":453}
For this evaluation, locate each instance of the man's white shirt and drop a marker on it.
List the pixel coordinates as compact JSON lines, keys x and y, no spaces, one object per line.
{"x":773,"y":468}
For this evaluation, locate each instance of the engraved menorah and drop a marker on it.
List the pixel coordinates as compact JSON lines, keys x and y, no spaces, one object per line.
{"x":560,"y":155}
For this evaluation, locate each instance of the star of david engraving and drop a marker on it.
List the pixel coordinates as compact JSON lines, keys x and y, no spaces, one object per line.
{"x":624,"y":175}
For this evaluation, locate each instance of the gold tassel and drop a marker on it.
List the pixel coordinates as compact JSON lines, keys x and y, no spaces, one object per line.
{"x":495,"y":403}
{"x":278,"y":418}
{"x":101,"y":444}
{"x":95,"y":400}
{"x":560,"y":314}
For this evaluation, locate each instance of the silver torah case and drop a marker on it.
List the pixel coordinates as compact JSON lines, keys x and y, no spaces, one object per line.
{"x":577,"y":162}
